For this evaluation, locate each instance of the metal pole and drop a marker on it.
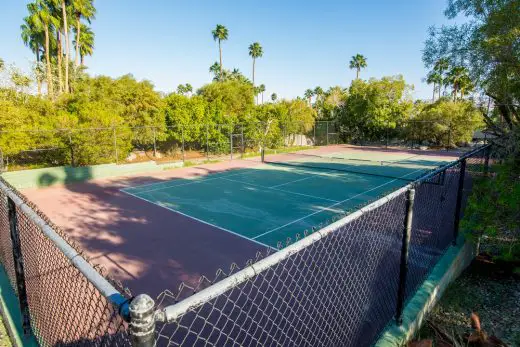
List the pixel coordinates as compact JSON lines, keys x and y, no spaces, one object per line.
{"x":449,"y":138}
{"x":327,"y":133}
{"x":403,"y":271}
{"x":19,"y":266}
{"x":207,"y":142}
{"x":458,"y":206}
{"x":115,"y":143}
{"x":314,"y":134}
{"x":71,"y":151}
{"x":142,"y":321}
{"x":182,"y":148}
{"x":386,"y":141}
{"x":486,"y":160}
{"x":242,"y":137}
{"x":154,"y":143}
{"x":231,"y":141}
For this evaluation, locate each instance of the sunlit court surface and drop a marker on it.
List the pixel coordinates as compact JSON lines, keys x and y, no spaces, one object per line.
{"x":155,"y":231}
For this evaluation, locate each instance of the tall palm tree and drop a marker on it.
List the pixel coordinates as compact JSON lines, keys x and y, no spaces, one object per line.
{"x":318,"y":91}
{"x":255,"y":51}
{"x":2,"y":64}
{"x":33,"y":37}
{"x":441,"y":66}
{"x":435,"y":78}
{"x":308,"y":95}
{"x":42,"y":16}
{"x":261,"y":88}
{"x":82,"y":9}
{"x":456,"y":77}
{"x":220,"y":33}
{"x":86,"y":42}
{"x":358,"y":62}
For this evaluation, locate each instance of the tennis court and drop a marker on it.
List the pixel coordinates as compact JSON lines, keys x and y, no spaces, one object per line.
{"x":289,"y":193}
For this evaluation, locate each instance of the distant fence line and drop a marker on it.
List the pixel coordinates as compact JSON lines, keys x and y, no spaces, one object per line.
{"x":21,"y":149}
{"x":340,"y":285}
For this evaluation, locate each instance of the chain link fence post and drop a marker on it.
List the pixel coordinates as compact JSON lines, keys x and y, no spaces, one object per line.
{"x":207,"y":142}
{"x":458,"y":206}
{"x":327,"y":133}
{"x":19,"y":266}
{"x":114,"y":134}
{"x":231,"y":130}
{"x":142,"y":321}
{"x":242,"y":137}
{"x":403,"y":271}
{"x":154,"y":143}
{"x":182,"y":145}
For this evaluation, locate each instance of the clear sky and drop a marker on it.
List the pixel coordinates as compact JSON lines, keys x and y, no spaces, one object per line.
{"x":306,"y":43}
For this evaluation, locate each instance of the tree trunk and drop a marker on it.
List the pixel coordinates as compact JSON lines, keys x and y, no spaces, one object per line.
{"x":38,"y":81}
{"x":220,"y":51}
{"x":357,"y":73}
{"x":78,"y":31}
{"x":433,"y":97}
{"x":50,"y":86}
{"x":59,"y":55}
{"x":67,"y":48}
{"x":262,"y":98}
{"x":253,"y":72}
{"x":82,"y":60}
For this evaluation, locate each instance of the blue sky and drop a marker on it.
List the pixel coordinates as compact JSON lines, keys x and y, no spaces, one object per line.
{"x":305,"y":43}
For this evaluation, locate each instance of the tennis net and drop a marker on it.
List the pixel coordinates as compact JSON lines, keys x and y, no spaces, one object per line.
{"x":408,"y":169}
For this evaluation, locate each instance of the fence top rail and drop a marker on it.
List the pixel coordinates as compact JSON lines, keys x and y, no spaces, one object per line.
{"x":172,"y":312}
{"x":92,"y":275}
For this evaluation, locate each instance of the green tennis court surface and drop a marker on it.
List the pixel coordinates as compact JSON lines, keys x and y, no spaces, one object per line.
{"x":270,"y":203}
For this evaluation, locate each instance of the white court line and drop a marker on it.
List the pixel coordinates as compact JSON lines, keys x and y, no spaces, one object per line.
{"x":201,"y":221}
{"x":298,"y":180}
{"x":193,"y":181}
{"x":326,"y":208}
{"x":280,"y":190}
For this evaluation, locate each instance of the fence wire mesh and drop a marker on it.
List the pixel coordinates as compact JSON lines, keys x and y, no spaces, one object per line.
{"x":339,"y":290}
{"x":65,"y":308}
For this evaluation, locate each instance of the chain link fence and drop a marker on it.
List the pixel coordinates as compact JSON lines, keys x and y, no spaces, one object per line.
{"x":340,"y":285}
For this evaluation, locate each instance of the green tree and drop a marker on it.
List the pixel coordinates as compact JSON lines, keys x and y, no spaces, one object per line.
{"x":458,"y":77}
{"x":358,"y":62}
{"x":261,"y":89}
{"x":318,"y":91}
{"x":189,"y":88}
{"x":434,"y":78}
{"x":34,"y":38}
{"x":215,"y":70}
{"x":440,"y":67}
{"x":82,"y":9}
{"x":220,"y":33}
{"x":229,"y":97}
{"x":255,"y":51}
{"x":274,"y":97}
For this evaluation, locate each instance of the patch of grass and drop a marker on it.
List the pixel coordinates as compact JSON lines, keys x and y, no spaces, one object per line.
{"x":4,"y":338}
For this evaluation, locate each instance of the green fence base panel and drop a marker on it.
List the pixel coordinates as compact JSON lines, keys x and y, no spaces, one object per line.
{"x":449,"y":267}
{"x":10,"y":310}
{"x":67,"y":174}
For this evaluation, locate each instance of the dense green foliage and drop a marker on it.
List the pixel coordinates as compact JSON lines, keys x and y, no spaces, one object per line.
{"x":494,"y":209}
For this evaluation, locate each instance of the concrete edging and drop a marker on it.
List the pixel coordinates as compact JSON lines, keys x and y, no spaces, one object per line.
{"x":448,"y":268}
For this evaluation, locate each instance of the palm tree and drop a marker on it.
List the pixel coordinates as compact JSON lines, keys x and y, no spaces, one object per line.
{"x":318,"y":91}
{"x":440,"y":67}
{"x":274,"y":97}
{"x":262,"y":90}
{"x":2,"y":64}
{"x":358,"y":62}
{"x":220,"y":33}
{"x":67,"y":43}
{"x":456,"y":77}
{"x":86,"y":42}
{"x":215,"y":70}
{"x":41,"y":15}
{"x":308,"y":95}
{"x":82,"y":9}
{"x":33,"y":37}
{"x":255,"y":51}
{"x":435,"y":78}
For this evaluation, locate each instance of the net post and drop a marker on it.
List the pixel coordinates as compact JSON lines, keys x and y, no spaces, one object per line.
{"x":142,"y":321}
{"x":403,"y":269}
{"x":19,"y":266}
{"x":458,"y":206}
